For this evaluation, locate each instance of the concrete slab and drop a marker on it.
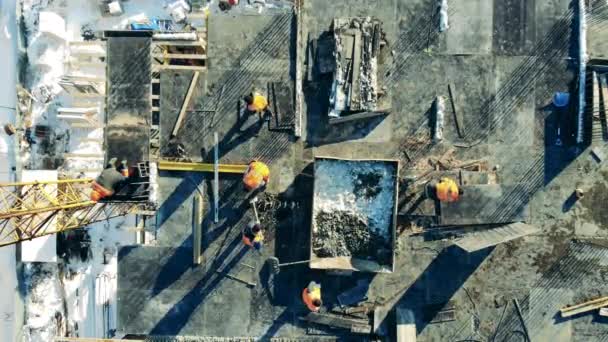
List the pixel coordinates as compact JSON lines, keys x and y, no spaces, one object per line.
{"x":470,"y":29}
{"x":514,"y":27}
{"x":486,"y":204}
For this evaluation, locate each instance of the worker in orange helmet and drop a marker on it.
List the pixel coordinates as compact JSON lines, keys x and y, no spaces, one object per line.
{"x":256,"y":176}
{"x":446,"y":190}
{"x":312,"y":296}
{"x":111,"y":179}
{"x":253,"y":236}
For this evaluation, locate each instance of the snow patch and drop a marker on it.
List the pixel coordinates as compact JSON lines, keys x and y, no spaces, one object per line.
{"x":44,"y":312}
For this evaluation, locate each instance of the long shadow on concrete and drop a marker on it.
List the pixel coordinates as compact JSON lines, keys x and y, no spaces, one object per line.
{"x":190,"y":182}
{"x":439,"y":282}
{"x":233,"y":209}
{"x":178,"y":316}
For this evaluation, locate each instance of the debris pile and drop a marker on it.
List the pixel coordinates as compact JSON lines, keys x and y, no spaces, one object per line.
{"x":353,"y":208}
{"x":357,"y":44}
{"x":343,"y":234}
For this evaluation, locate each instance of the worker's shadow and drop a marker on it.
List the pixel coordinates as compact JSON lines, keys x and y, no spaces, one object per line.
{"x":569,"y":202}
{"x":232,"y":211}
{"x":245,"y":128}
{"x":179,"y":315}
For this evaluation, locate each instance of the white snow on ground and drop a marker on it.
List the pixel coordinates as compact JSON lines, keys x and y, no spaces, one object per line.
{"x":9,"y":312}
{"x":44,"y":310}
{"x":335,"y":191}
{"x":91,"y":286}
{"x":87,"y":289}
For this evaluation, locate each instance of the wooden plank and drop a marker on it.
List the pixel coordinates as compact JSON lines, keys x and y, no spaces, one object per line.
{"x":182,"y":112}
{"x":90,"y":339}
{"x":355,"y":90}
{"x":604,"y":96}
{"x":406,"y":325}
{"x":84,"y":155}
{"x":179,"y":43}
{"x":299,"y":95}
{"x":89,"y":42}
{"x":357,"y":116}
{"x":584,"y":307}
{"x":88,"y":64}
{"x":179,"y":55}
{"x":156,"y":80}
{"x":155,"y":97}
{"x":492,"y":237}
{"x":198,"y":229}
{"x":158,"y":67}
{"x":458,"y":120}
{"x":85,"y":125}
{"x":93,"y":79}
{"x":596,"y":94}
{"x":88,"y":95}
{"x":352,"y":324}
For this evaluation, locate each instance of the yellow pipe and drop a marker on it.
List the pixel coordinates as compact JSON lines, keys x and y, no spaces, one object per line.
{"x":199,"y":167}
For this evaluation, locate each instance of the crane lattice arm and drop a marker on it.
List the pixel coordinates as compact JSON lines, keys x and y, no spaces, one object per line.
{"x":32,"y":209}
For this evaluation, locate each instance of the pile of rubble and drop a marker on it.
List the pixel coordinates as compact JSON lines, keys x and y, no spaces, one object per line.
{"x":344,"y":233}
{"x":357,"y":45}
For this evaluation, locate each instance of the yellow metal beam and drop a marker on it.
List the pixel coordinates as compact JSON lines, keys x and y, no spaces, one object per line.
{"x":32,"y":209}
{"x":62,"y":181}
{"x":200,"y":167}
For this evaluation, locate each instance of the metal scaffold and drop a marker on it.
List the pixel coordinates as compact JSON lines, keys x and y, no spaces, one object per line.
{"x":33,"y":209}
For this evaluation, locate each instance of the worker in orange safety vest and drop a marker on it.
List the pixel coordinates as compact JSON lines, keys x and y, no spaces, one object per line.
{"x":253,"y":236}
{"x":256,"y":176}
{"x":312,"y":296}
{"x":257,"y":103}
{"x":110,"y":180}
{"x":446,"y":190}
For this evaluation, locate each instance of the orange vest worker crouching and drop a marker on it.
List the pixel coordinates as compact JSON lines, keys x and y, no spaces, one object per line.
{"x":312,"y":296}
{"x":256,"y":176}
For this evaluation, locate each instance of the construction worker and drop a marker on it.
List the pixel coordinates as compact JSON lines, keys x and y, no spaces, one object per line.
{"x":257,"y":103}
{"x":253,"y":236}
{"x":446,"y":190}
{"x":256,"y":176}
{"x":110,"y":180}
{"x":312,"y":296}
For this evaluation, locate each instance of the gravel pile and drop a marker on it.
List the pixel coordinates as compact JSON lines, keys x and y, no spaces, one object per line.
{"x":345,"y":234}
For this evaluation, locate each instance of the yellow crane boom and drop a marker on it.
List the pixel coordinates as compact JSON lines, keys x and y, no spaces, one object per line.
{"x":32,"y":209}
